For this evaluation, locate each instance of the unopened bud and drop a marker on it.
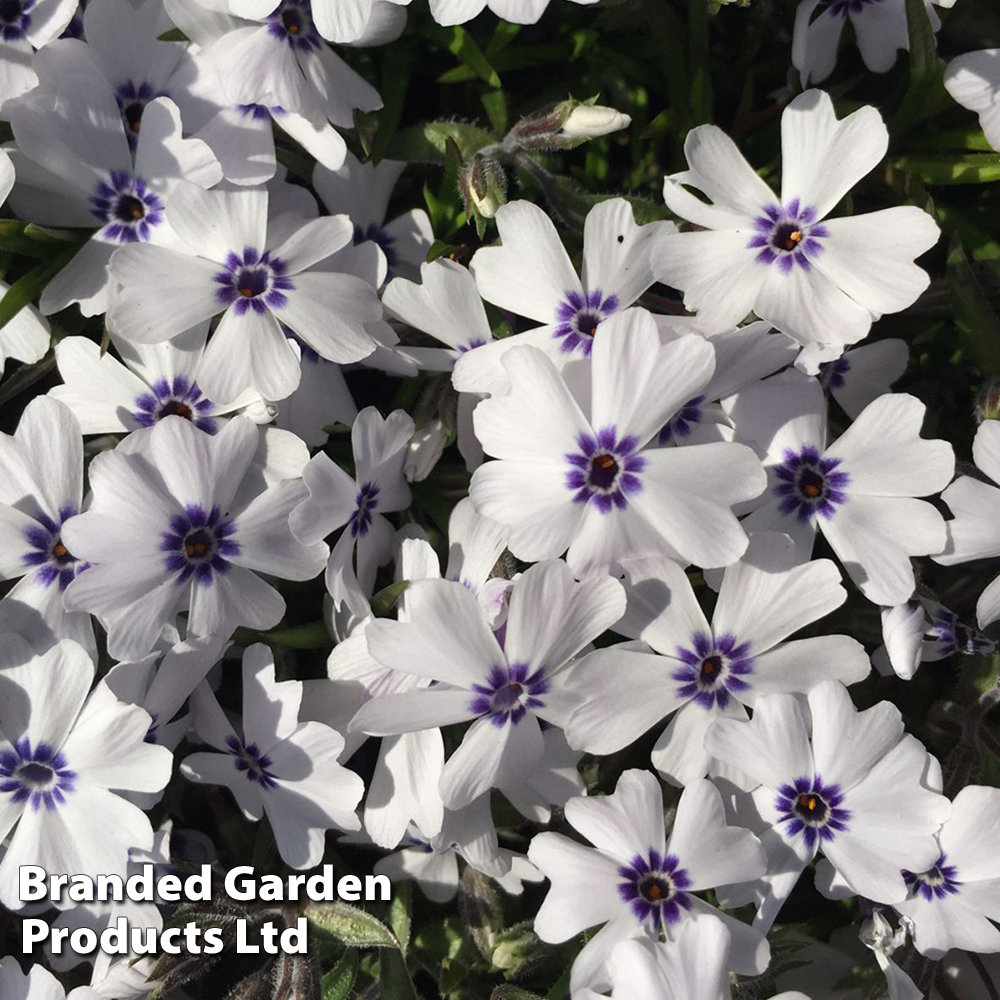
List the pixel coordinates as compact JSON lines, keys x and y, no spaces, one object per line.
{"x":589,"y":121}
{"x":988,"y":402}
{"x":565,"y":125}
{"x":483,"y":184}
{"x":516,"y":948}
{"x":425,"y":450}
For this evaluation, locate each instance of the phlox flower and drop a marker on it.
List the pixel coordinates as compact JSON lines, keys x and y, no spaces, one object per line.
{"x":41,"y":485}
{"x":860,"y":491}
{"x":226,"y":266}
{"x":27,"y":25}
{"x":76,"y":168}
{"x":37,"y":984}
{"x":862,"y":374}
{"x":636,"y":880}
{"x":702,"y":671}
{"x":362,"y":191}
{"x":856,"y":790}
{"x":821,"y":281}
{"x":530,"y":274}
{"x":973,"y":79}
{"x":336,"y":20}
{"x":973,"y":532}
{"x":955,"y":903}
{"x":65,"y":759}
{"x":578,"y":477}
{"x":505,"y":688}
{"x":358,"y":505}
{"x":170,"y":529}
{"x":450,"y":12}
{"x":275,"y":765}
{"x":879,"y":26}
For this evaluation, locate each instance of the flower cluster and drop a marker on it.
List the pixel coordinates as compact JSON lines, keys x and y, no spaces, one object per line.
{"x":614,"y":653}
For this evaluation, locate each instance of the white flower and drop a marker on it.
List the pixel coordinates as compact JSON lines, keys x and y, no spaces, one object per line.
{"x":636,"y":881}
{"x":357,"y":505}
{"x":64,"y":759}
{"x":860,"y":491}
{"x":707,"y":670}
{"x":974,"y":531}
{"x":450,"y":12}
{"x":6,"y":175}
{"x":879,"y":26}
{"x":277,"y":766}
{"x":226,"y":266}
{"x":362,"y":191}
{"x":75,"y":168}
{"x":531,"y":275}
{"x":171,"y":527}
{"x":822,"y":281}
{"x":38,"y":984}
{"x":955,"y":903}
{"x":336,"y":20}
{"x":507,"y":689}
{"x":878,"y":935}
{"x":41,"y":486}
{"x":973,"y":79}
{"x":582,"y":480}
{"x":857,"y":791}
{"x":862,"y":374}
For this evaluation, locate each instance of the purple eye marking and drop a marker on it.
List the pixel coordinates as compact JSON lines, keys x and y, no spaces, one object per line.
{"x":953,"y":637}
{"x":199,"y":544}
{"x":365,"y":502}
{"x":605,"y":469}
{"x":831,"y":373}
{"x":683,"y":421}
{"x":253,"y":280}
{"x":292,"y":23}
{"x":936,"y":883}
{"x":132,"y":100}
{"x":841,"y":8}
{"x":251,"y":762}
{"x":654,"y":889}
{"x":788,"y":235}
{"x":179,"y":397}
{"x":53,"y":560}
{"x":508,"y":693}
{"x":15,"y":21}
{"x":385,"y":240}
{"x":811,"y":808}
{"x":714,"y":669}
{"x":126,"y":207}
{"x":810,"y":484}
{"x":39,"y":777}
{"x":578,"y":317}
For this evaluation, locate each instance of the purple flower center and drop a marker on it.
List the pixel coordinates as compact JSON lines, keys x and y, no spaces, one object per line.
{"x":127,"y":209}
{"x":132,"y":100}
{"x":841,"y":8}
{"x":292,"y":22}
{"x":385,"y":240}
{"x":578,"y":317}
{"x":258,"y":112}
{"x":365,"y":502}
{"x":38,"y":777}
{"x":936,"y":883}
{"x":788,"y":235}
{"x":809,"y":807}
{"x":253,"y":281}
{"x":683,"y":421}
{"x":49,"y":554}
{"x":15,"y":21}
{"x":831,"y":373}
{"x":809,"y":484}
{"x":953,"y":637}
{"x":713,"y":669}
{"x":251,"y":762}
{"x":654,"y":889}
{"x":605,"y":469}
{"x":199,"y":544}
{"x":179,"y":397}
{"x":508,"y":693}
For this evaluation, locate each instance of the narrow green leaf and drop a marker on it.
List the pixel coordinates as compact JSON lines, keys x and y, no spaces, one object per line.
{"x":27,"y":288}
{"x":925,"y":94}
{"x":503,"y":34}
{"x":701,"y":82}
{"x":441,"y":248}
{"x":462,"y":45}
{"x":311,"y":636}
{"x":385,"y":600}
{"x":426,"y":143}
{"x":394,"y":977}
{"x":973,"y":168}
{"x":352,"y":925}
{"x":396,"y":73}
{"x":35,"y":241}
{"x":974,"y":316}
{"x":495,"y":103}
{"x":339,"y":981}
{"x":401,"y":914}
{"x":25,"y":377}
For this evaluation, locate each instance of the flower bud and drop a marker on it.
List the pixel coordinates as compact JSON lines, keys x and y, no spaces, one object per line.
{"x":988,"y":402}
{"x":483,"y":184}
{"x":589,"y":121}
{"x":425,"y":450}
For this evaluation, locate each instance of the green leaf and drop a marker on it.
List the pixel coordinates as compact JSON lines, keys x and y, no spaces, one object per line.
{"x":401,"y":914}
{"x":314,"y":635}
{"x":462,"y":45}
{"x":339,"y":981}
{"x":974,"y":316}
{"x":396,"y":73}
{"x":701,"y":81}
{"x":925,"y":95}
{"x":35,"y":241}
{"x":503,"y":34}
{"x":426,"y":143}
{"x":441,"y":248}
{"x":27,"y":288}
{"x":973,"y":168}
{"x":352,"y":925}
{"x":495,"y":103}
{"x":385,"y":600}
{"x":173,"y":35}
{"x":25,"y":377}
{"x":508,"y":992}
{"x":394,"y":977}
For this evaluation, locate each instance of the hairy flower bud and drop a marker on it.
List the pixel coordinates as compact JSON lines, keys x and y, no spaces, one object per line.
{"x":988,"y":402}
{"x":589,"y":121}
